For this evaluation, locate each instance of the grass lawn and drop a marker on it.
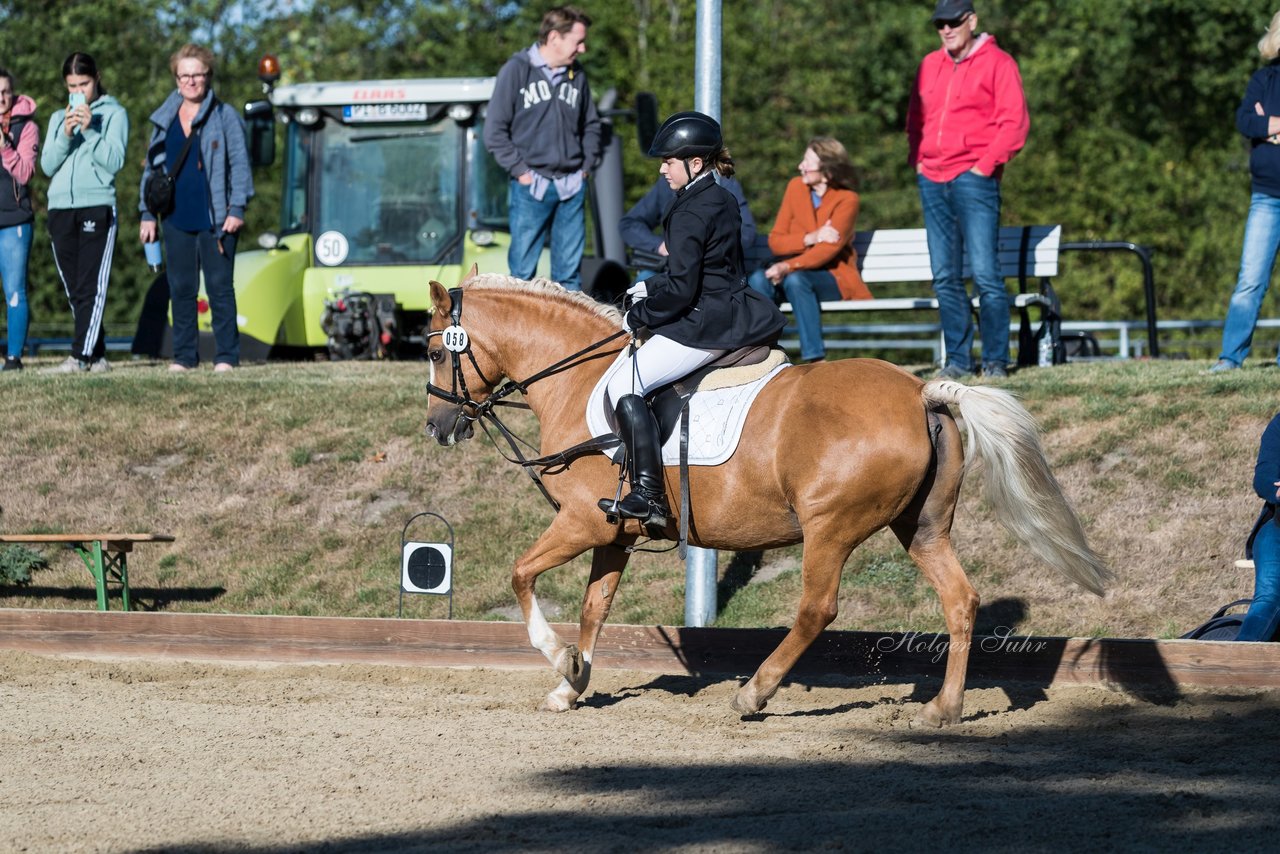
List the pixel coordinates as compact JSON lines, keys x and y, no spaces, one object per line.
{"x":288,"y":485}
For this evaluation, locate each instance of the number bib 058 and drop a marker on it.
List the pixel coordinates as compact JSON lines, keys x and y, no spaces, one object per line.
{"x":454,"y":339}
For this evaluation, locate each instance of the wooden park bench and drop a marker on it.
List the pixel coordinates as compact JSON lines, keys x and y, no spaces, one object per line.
{"x":105,"y":555}
{"x":902,"y":255}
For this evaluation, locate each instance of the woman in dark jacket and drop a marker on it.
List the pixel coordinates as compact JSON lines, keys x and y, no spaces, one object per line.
{"x":696,"y":311}
{"x":1258,"y":120}
{"x":213,"y":185}
{"x":1263,"y":618}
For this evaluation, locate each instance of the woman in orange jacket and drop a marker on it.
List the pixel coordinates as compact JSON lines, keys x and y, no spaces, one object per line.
{"x":813,"y":236}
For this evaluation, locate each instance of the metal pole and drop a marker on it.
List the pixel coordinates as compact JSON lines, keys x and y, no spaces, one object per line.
{"x":700,"y":564}
{"x":707,"y":62}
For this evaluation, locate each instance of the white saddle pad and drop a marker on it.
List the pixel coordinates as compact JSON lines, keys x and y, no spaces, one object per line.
{"x":715,"y":419}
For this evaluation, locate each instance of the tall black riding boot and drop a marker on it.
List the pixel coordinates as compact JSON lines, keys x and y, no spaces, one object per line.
{"x":638,"y":430}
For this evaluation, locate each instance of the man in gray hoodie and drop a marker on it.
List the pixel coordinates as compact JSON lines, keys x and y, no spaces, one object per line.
{"x":542,"y":127}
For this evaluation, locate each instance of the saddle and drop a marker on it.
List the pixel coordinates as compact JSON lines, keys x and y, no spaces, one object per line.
{"x":737,"y":367}
{"x":739,"y":375}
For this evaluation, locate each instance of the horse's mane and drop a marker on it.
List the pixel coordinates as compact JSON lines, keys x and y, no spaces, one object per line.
{"x":499,"y":281}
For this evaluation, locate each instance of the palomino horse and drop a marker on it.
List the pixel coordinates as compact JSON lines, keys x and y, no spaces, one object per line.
{"x":831,"y":453}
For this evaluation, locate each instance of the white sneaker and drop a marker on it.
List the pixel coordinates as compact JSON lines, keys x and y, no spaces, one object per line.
{"x":99,"y":366}
{"x":71,"y":366}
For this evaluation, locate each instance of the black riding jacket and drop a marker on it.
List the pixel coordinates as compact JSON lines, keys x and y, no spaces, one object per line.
{"x":703,"y":300}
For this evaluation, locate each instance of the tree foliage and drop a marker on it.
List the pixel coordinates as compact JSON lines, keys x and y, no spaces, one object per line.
{"x":1132,"y":105}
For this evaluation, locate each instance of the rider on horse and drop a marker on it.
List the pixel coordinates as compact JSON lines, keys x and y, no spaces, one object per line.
{"x":696,"y":311}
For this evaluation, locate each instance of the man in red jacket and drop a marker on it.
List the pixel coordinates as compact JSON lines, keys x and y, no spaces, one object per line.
{"x":967,"y":118}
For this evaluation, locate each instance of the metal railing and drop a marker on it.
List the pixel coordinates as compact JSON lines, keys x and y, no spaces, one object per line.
{"x":1144,"y":254}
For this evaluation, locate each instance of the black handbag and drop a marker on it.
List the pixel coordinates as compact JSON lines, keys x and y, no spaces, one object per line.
{"x":158,"y":193}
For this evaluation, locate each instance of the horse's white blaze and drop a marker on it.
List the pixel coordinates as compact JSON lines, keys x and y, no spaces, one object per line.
{"x":431,"y":379}
{"x":541,"y":635}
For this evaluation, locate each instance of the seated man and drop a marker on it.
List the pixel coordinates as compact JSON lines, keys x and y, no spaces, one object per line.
{"x":637,"y":226}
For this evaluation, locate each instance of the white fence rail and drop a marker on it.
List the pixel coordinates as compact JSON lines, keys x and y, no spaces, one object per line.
{"x":1121,"y":339}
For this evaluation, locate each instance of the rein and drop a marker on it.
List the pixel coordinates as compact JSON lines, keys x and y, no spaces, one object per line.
{"x":458,"y":343}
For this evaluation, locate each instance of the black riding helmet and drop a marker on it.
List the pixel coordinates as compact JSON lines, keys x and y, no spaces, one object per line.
{"x":687,"y":135}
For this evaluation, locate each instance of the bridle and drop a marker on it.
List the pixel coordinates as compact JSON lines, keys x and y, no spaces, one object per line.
{"x":456,"y":341}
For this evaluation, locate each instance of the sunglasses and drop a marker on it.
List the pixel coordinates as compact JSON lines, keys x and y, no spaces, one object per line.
{"x":953,"y":24}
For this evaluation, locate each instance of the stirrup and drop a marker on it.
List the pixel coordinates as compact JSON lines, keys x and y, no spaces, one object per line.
{"x":652,"y":514}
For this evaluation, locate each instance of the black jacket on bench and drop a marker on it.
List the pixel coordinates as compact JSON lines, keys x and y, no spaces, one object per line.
{"x":703,"y":300}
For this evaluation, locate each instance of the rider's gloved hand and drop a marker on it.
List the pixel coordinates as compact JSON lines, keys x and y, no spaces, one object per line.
{"x":638,"y":291}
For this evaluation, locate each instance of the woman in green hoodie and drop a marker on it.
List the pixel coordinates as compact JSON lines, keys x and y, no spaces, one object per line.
{"x":83,"y":150}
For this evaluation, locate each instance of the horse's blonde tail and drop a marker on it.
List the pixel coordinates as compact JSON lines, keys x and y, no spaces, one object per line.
{"x":1018,"y":485}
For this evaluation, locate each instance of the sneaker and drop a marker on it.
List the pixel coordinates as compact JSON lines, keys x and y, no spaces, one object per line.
{"x":178,"y":368}
{"x":995,"y":370}
{"x":99,"y":365}
{"x":12,"y":363}
{"x":223,"y":367}
{"x":1224,"y":365}
{"x":71,"y":366}
{"x":952,"y":372}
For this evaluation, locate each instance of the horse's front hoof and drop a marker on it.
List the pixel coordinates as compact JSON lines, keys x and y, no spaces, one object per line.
{"x":746,"y":703}
{"x":933,"y":715}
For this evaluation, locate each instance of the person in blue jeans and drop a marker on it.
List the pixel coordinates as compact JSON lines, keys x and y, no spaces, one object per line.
{"x":1258,"y":120}
{"x":212,"y":187}
{"x":19,"y":140}
{"x":1263,"y":545}
{"x":543,"y":128}
{"x":966,"y":119}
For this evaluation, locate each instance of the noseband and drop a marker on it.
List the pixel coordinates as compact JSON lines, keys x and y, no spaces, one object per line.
{"x":455,"y":339}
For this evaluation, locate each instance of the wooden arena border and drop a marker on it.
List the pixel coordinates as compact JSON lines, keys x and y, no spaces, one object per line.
{"x":1140,"y":664}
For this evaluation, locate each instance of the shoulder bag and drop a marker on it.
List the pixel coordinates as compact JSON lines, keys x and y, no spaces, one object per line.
{"x":159,"y":192}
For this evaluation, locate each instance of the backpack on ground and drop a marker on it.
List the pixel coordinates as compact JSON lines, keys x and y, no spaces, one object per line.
{"x":1221,"y":626}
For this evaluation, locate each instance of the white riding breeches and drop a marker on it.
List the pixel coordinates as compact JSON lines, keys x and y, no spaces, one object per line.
{"x":658,"y":362}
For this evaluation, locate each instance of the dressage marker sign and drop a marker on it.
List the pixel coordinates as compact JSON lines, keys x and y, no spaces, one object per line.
{"x":426,"y":567}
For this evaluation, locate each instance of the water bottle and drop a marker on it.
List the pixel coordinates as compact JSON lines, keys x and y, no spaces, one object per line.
{"x":154,"y":260}
{"x":1044,"y":355}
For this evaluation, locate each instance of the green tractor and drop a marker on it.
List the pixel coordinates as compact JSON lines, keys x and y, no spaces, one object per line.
{"x":387,"y":185}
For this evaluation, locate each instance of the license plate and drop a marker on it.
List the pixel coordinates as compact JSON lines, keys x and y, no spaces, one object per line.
{"x":385,"y":113}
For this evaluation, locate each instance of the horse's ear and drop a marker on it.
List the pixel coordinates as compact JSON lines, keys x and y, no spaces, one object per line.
{"x":471,"y":274}
{"x":439,"y":297}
